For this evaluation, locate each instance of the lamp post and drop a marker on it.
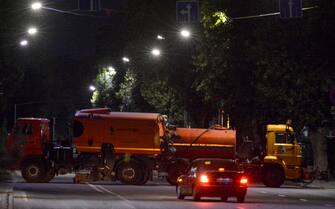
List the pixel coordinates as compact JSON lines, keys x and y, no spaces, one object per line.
{"x":24,"y":43}
{"x":92,"y":88}
{"x":36,"y":6}
{"x":32,"y":31}
{"x":185,"y":33}
{"x":156,"y":52}
{"x":125,"y":59}
{"x":160,"y":37}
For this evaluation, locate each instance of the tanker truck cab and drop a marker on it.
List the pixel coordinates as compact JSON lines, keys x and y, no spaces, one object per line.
{"x":283,"y":159}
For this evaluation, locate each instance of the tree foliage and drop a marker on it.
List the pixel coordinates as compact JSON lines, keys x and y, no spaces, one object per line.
{"x":260,"y":69}
{"x":266,"y":69}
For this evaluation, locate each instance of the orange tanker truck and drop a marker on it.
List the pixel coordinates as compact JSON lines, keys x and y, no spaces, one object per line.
{"x":116,"y":145}
{"x":280,"y":159}
{"x":193,"y":143}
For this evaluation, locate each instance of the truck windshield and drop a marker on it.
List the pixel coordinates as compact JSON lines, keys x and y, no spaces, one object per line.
{"x":285,"y":138}
{"x":24,"y":129}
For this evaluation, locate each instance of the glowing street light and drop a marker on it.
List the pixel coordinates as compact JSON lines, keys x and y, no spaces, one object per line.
{"x":92,"y":88}
{"x":32,"y":31}
{"x":185,"y":33}
{"x":24,"y":43}
{"x":36,"y":6}
{"x":160,"y":37}
{"x":125,"y":59}
{"x":156,"y":52}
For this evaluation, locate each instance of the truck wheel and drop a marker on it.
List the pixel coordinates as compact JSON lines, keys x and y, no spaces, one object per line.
{"x":175,"y":170}
{"x":130,"y":172}
{"x":49,"y":176}
{"x":273,"y":176}
{"x":146,"y":176}
{"x":33,"y":171}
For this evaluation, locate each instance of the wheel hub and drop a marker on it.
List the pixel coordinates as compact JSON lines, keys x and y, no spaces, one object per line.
{"x":33,"y":170}
{"x":129,"y":173}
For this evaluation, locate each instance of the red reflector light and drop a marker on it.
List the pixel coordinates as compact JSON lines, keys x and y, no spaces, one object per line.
{"x":204,"y":179}
{"x":244,"y":180}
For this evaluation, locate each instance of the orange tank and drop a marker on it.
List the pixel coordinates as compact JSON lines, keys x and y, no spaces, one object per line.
{"x":128,"y":132}
{"x":192,"y":143}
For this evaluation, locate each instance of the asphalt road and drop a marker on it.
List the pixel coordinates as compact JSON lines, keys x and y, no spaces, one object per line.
{"x":61,"y":193}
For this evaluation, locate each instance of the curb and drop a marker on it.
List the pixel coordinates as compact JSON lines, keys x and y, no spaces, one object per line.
{"x":6,"y":197}
{"x":322,"y":184}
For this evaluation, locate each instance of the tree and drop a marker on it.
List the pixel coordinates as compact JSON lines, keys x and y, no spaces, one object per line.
{"x":256,"y":68}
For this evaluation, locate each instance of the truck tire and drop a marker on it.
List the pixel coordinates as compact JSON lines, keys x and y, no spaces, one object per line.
{"x":146,"y":176}
{"x":175,"y":170}
{"x":33,"y":171}
{"x":130,"y":172}
{"x":49,"y":176}
{"x":273,"y":176}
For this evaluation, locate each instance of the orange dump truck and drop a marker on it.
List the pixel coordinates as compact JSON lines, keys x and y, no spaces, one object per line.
{"x":116,"y":145}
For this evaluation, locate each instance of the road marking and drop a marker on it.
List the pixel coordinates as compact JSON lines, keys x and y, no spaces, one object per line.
{"x":303,"y":200}
{"x":94,"y":187}
{"x":282,"y":195}
{"x":263,"y":192}
{"x":21,"y":195}
{"x":126,"y":201}
{"x":328,"y":205}
{"x":102,"y":189}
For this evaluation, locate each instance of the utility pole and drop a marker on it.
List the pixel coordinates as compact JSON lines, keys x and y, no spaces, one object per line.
{"x":53,"y":128}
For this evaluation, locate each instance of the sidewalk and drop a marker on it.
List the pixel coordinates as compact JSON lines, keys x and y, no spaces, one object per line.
{"x":6,"y":197}
{"x":6,"y":191}
{"x":321,"y":184}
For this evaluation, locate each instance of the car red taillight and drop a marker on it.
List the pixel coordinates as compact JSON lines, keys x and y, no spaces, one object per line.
{"x":204,"y":179}
{"x":244,"y":181}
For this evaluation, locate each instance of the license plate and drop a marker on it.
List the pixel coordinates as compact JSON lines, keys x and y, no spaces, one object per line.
{"x":224,"y":180}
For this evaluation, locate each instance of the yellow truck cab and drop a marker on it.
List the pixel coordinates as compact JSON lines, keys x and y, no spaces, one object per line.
{"x":283,"y":159}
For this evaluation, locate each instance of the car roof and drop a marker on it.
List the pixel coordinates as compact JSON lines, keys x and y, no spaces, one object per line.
{"x":214,"y":159}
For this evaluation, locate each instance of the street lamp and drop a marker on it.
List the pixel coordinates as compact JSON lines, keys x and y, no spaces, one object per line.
{"x":92,"y":88}
{"x":160,"y":37}
{"x":185,"y":33}
{"x":36,"y":6}
{"x":156,"y":52}
{"x":125,"y":59}
{"x":32,"y":31}
{"x":24,"y":43}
